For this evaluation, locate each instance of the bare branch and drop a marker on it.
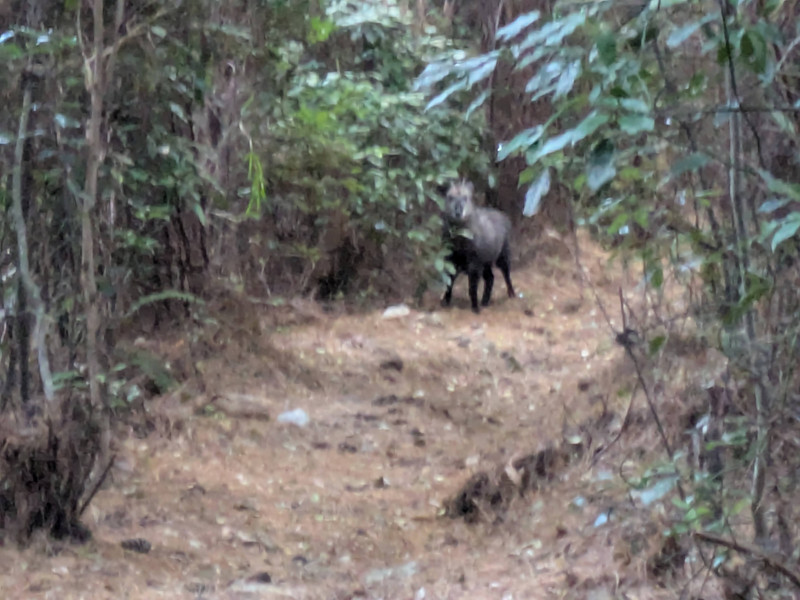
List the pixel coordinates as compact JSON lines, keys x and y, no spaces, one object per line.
{"x":754,"y":552}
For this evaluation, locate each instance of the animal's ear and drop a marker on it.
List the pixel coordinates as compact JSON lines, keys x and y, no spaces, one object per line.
{"x":469,"y":187}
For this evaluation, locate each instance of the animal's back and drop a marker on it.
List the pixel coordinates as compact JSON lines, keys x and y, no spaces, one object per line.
{"x":491,"y":229}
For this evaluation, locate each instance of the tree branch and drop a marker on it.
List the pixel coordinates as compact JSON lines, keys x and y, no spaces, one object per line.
{"x":754,"y":552}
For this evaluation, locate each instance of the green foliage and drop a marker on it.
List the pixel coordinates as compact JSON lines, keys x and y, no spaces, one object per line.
{"x":639,"y":139}
{"x":297,"y":122}
{"x":359,"y":147}
{"x":603,"y":96}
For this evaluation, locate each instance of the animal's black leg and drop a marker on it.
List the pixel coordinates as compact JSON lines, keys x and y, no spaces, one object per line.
{"x":474,"y":274}
{"x":488,"y":279}
{"x":448,"y":295}
{"x":504,"y":266}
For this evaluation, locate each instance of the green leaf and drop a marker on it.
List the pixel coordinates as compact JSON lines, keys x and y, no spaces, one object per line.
{"x":680,"y":35}
{"x":552,"y":33}
{"x":691,"y":163}
{"x":757,"y":288}
{"x":548,"y":73}
{"x":697,"y":84}
{"x":753,"y":49}
{"x":513,"y":29}
{"x":458,"y":85}
{"x":599,"y":175}
{"x":607,"y":47}
{"x":586,"y":128}
{"x":635,"y":105}
{"x":746,"y":47}
{"x":787,"y":230}
{"x":739,"y":506}
{"x":481,"y":98}
{"x":522,"y":141}
{"x":482,"y":71}
{"x":680,"y":529}
{"x":568,"y":25}
{"x":635,"y":124}
{"x":159,"y":31}
{"x":66,"y":122}
{"x":320,"y":30}
{"x":552,"y":145}
{"x":526,"y":176}
{"x":617,"y":224}
{"x":778,"y":186}
{"x":684,"y":506}
{"x":786,"y":124}
{"x":657,"y":278}
{"x":656,"y":344}
{"x":641,"y":216}
{"x":567,"y":79}
{"x":589,"y":125}
{"x":139,"y":175}
{"x":600,"y":168}
{"x":631,"y":174}
{"x":178,"y":112}
{"x":9,"y":51}
{"x":198,"y":210}
{"x":533,"y":197}
{"x":618,"y":92}
{"x":160,"y":296}
{"x":772,"y":205}
{"x":432,"y":75}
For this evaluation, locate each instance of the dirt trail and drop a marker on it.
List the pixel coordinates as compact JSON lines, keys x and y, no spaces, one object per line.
{"x":402,"y":412}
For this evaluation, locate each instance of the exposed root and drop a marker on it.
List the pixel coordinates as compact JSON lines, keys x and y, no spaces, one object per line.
{"x":485,"y":493}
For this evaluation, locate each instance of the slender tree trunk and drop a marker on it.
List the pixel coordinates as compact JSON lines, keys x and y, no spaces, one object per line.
{"x":95,"y":86}
{"x":29,"y":291}
{"x":761,"y":389}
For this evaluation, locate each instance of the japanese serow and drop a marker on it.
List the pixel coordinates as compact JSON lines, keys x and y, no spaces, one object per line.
{"x":478,"y":238}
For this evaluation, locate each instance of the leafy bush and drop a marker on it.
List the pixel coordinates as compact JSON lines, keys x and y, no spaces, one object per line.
{"x":352,"y":157}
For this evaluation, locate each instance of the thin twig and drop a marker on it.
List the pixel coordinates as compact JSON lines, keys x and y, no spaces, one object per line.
{"x":786,"y":54}
{"x":622,"y":429}
{"x":650,"y":402}
{"x":490,"y":83}
{"x":97,"y":485}
{"x":734,"y":85}
{"x":754,"y":552}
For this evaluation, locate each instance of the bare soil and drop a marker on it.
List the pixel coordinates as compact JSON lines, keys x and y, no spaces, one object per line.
{"x":402,"y":413}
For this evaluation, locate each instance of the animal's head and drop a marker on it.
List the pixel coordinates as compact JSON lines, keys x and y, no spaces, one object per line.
{"x":459,"y":202}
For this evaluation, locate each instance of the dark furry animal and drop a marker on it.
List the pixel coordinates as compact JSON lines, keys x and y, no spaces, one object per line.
{"x":486,"y":243}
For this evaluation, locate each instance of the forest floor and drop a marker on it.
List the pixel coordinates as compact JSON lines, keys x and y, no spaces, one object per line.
{"x":402,"y":413}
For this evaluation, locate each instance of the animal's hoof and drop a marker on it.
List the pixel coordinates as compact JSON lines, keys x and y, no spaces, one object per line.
{"x":485,"y":303}
{"x":476,"y":310}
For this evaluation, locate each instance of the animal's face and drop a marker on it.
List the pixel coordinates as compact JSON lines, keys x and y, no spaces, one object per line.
{"x":459,"y":200}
